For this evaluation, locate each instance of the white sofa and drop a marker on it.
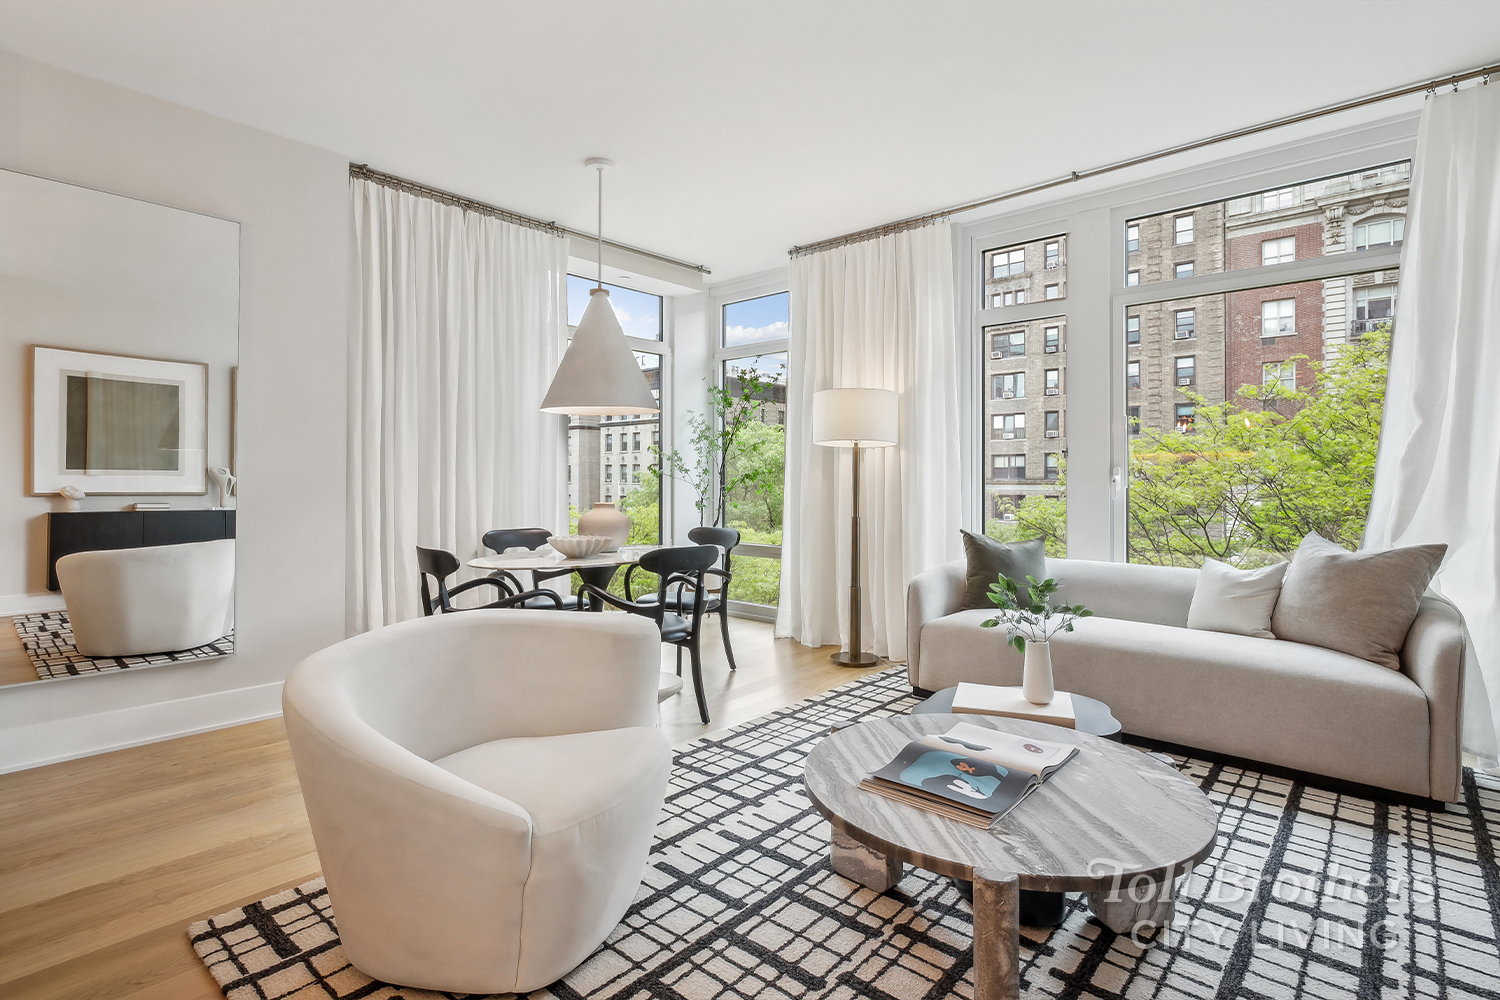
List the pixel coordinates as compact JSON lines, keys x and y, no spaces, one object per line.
{"x":483,"y":788}
{"x":1283,"y":703}
{"x":155,"y":599}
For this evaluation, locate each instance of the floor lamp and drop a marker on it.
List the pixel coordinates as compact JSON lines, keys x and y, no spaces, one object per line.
{"x":855,"y":418}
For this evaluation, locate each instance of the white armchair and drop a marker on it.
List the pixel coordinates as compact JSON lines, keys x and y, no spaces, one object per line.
{"x":483,"y":790}
{"x":156,"y":599}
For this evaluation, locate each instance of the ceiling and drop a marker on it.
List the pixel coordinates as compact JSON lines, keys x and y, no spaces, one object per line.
{"x":741,"y":129}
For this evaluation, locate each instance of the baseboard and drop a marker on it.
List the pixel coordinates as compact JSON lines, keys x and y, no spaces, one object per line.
{"x":40,"y":744}
{"x":26,"y":604}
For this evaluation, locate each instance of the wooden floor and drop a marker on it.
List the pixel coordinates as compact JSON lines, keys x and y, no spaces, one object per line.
{"x":104,"y":861}
{"x":15,"y":665}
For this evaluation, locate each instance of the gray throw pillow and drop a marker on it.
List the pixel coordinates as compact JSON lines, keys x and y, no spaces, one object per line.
{"x":989,"y":560}
{"x":1360,"y":603}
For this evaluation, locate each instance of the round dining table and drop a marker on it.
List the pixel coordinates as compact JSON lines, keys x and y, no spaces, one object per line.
{"x":597,"y":569}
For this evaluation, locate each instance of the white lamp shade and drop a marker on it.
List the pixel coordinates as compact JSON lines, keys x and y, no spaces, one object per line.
{"x":843,"y":418}
{"x":598,"y":374}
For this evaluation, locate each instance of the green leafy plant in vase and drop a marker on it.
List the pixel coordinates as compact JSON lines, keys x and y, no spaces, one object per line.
{"x":1030,"y":626}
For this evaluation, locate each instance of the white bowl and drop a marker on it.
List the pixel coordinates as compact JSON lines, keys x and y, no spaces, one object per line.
{"x":579,"y":546}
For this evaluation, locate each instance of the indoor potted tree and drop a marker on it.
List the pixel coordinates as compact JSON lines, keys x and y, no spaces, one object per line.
{"x":1029,"y":627}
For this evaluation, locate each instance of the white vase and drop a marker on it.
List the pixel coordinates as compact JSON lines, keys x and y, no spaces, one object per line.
{"x":606,"y":519}
{"x":1036,"y":674}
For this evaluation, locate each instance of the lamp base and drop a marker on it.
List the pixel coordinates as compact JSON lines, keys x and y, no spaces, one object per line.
{"x":847,"y":659}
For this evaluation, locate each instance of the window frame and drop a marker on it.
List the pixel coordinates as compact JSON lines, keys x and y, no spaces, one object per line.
{"x":1095,"y":214}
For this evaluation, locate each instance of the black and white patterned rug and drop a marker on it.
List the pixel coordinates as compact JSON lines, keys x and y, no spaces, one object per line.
{"x":1309,"y":894}
{"x":47,"y":637}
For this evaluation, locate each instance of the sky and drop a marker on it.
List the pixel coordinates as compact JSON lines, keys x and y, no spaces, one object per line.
{"x":639,"y":312}
{"x":755,"y":320}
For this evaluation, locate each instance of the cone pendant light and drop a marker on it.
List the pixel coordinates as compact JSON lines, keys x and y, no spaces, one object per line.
{"x":598,"y":374}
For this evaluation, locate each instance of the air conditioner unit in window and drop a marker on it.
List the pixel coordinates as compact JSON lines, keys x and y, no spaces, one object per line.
{"x":1184,"y":381}
{"x":1052,"y":349}
{"x":1053,"y":390}
{"x":1008,"y":436}
{"x":1052,"y":434}
{"x":1007,"y":395}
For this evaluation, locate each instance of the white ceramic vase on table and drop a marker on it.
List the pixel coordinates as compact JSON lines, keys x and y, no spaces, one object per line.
{"x":606,"y":519}
{"x":1036,"y":673}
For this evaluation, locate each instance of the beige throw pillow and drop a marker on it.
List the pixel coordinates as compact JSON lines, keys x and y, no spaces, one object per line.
{"x":1360,"y":603}
{"x":1240,"y":601}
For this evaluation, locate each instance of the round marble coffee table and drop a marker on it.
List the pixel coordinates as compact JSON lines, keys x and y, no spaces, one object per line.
{"x":1112,"y":822}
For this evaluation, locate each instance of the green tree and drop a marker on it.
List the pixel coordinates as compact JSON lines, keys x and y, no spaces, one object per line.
{"x":1262,"y":469}
{"x":757,"y":467}
{"x":734,"y":409}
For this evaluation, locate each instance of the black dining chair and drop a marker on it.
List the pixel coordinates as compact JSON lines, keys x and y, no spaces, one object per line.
{"x":440,"y":565}
{"x":715,"y":603}
{"x":499,"y":540}
{"x":684,"y":569}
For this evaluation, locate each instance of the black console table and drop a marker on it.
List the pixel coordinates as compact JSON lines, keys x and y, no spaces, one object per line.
{"x":88,"y":530}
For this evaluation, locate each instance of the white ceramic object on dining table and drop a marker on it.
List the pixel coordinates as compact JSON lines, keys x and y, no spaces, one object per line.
{"x":580,"y":546}
{"x":606,"y":519}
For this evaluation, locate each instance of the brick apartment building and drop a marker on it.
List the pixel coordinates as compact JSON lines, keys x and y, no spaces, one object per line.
{"x":607,"y":456}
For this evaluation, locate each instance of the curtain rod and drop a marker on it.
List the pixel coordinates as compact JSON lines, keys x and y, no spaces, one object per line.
{"x":916,"y":222}
{"x":363,"y":171}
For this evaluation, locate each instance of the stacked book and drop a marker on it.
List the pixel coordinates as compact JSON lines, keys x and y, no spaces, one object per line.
{"x":972,"y":774}
{"x":987,"y":699}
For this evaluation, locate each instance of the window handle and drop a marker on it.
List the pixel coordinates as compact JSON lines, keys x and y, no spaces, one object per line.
{"x":1116,"y":479}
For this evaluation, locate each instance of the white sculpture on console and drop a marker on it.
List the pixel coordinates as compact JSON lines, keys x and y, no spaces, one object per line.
{"x":226,"y":483}
{"x":72,"y":495}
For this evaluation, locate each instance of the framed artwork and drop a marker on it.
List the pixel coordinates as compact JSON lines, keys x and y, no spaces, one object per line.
{"x":106,"y":423}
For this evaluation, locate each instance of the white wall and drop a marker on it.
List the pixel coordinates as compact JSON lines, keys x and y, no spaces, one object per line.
{"x":292,"y":204}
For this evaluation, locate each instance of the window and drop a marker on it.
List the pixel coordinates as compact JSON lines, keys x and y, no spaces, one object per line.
{"x":609,"y":442}
{"x":1008,"y":426}
{"x":1184,"y":328}
{"x":1186,"y":371}
{"x":1132,"y":238}
{"x":757,"y":320}
{"x":1051,"y":339}
{"x":609,"y":473}
{"x":635,"y":473}
{"x":1374,"y":307}
{"x":1050,"y":255}
{"x":1280,"y":373}
{"x":1184,"y":424}
{"x":1006,"y":507}
{"x":1010,"y":386}
{"x":1182,"y":230}
{"x":759,"y":384}
{"x":1052,"y":381}
{"x":1008,"y":345}
{"x":1051,"y":468}
{"x":591,"y":446}
{"x":1013,"y":298}
{"x":1183,"y":270}
{"x":1278,"y":251}
{"x":1133,"y":419}
{"x":1008,"y":467}
{"x":639,"y":312}
{"x":1052,"y":426}
{"x":1008,"y":263}
{"x":1278,"y":318}
{"x":1379,"y":233}
{"x":635,"y":442}
{"x":622,"y":473}
{"x":1132,"y":329}
{"x":1273,"y":201}
{"x":1132,"y":278}
{"x":1053,"y":291}
{"x":1132,"y":374}
{"x":656,"y":439}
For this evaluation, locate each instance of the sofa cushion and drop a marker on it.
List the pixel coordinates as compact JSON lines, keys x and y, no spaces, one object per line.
{"x":1239,"y":601}
{"x":1360,"y":603}
{"x":1283,"y":703}
{"x":988,"y":560}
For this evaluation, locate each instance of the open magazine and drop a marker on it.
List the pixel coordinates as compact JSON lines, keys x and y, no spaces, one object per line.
{"x":972,"y":774}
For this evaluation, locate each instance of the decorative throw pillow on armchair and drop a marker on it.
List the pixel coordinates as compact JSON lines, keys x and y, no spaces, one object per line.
{"x":989,"y":560}
{"x":1360,"y":603}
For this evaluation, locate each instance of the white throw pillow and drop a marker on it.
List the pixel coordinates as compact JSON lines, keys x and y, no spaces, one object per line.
{"x":1236,"y":600}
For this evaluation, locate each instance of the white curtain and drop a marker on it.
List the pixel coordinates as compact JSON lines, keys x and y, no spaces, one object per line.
{"x":458,"y":322}
{"x":1437,"y":477}
{"x":877,"y":314}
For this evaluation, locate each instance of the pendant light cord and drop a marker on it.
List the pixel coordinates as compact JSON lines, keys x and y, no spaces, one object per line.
{"x":600,"y":242}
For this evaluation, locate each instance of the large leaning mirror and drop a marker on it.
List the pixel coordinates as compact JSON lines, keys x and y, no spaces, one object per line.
{"x":119,"y":333}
